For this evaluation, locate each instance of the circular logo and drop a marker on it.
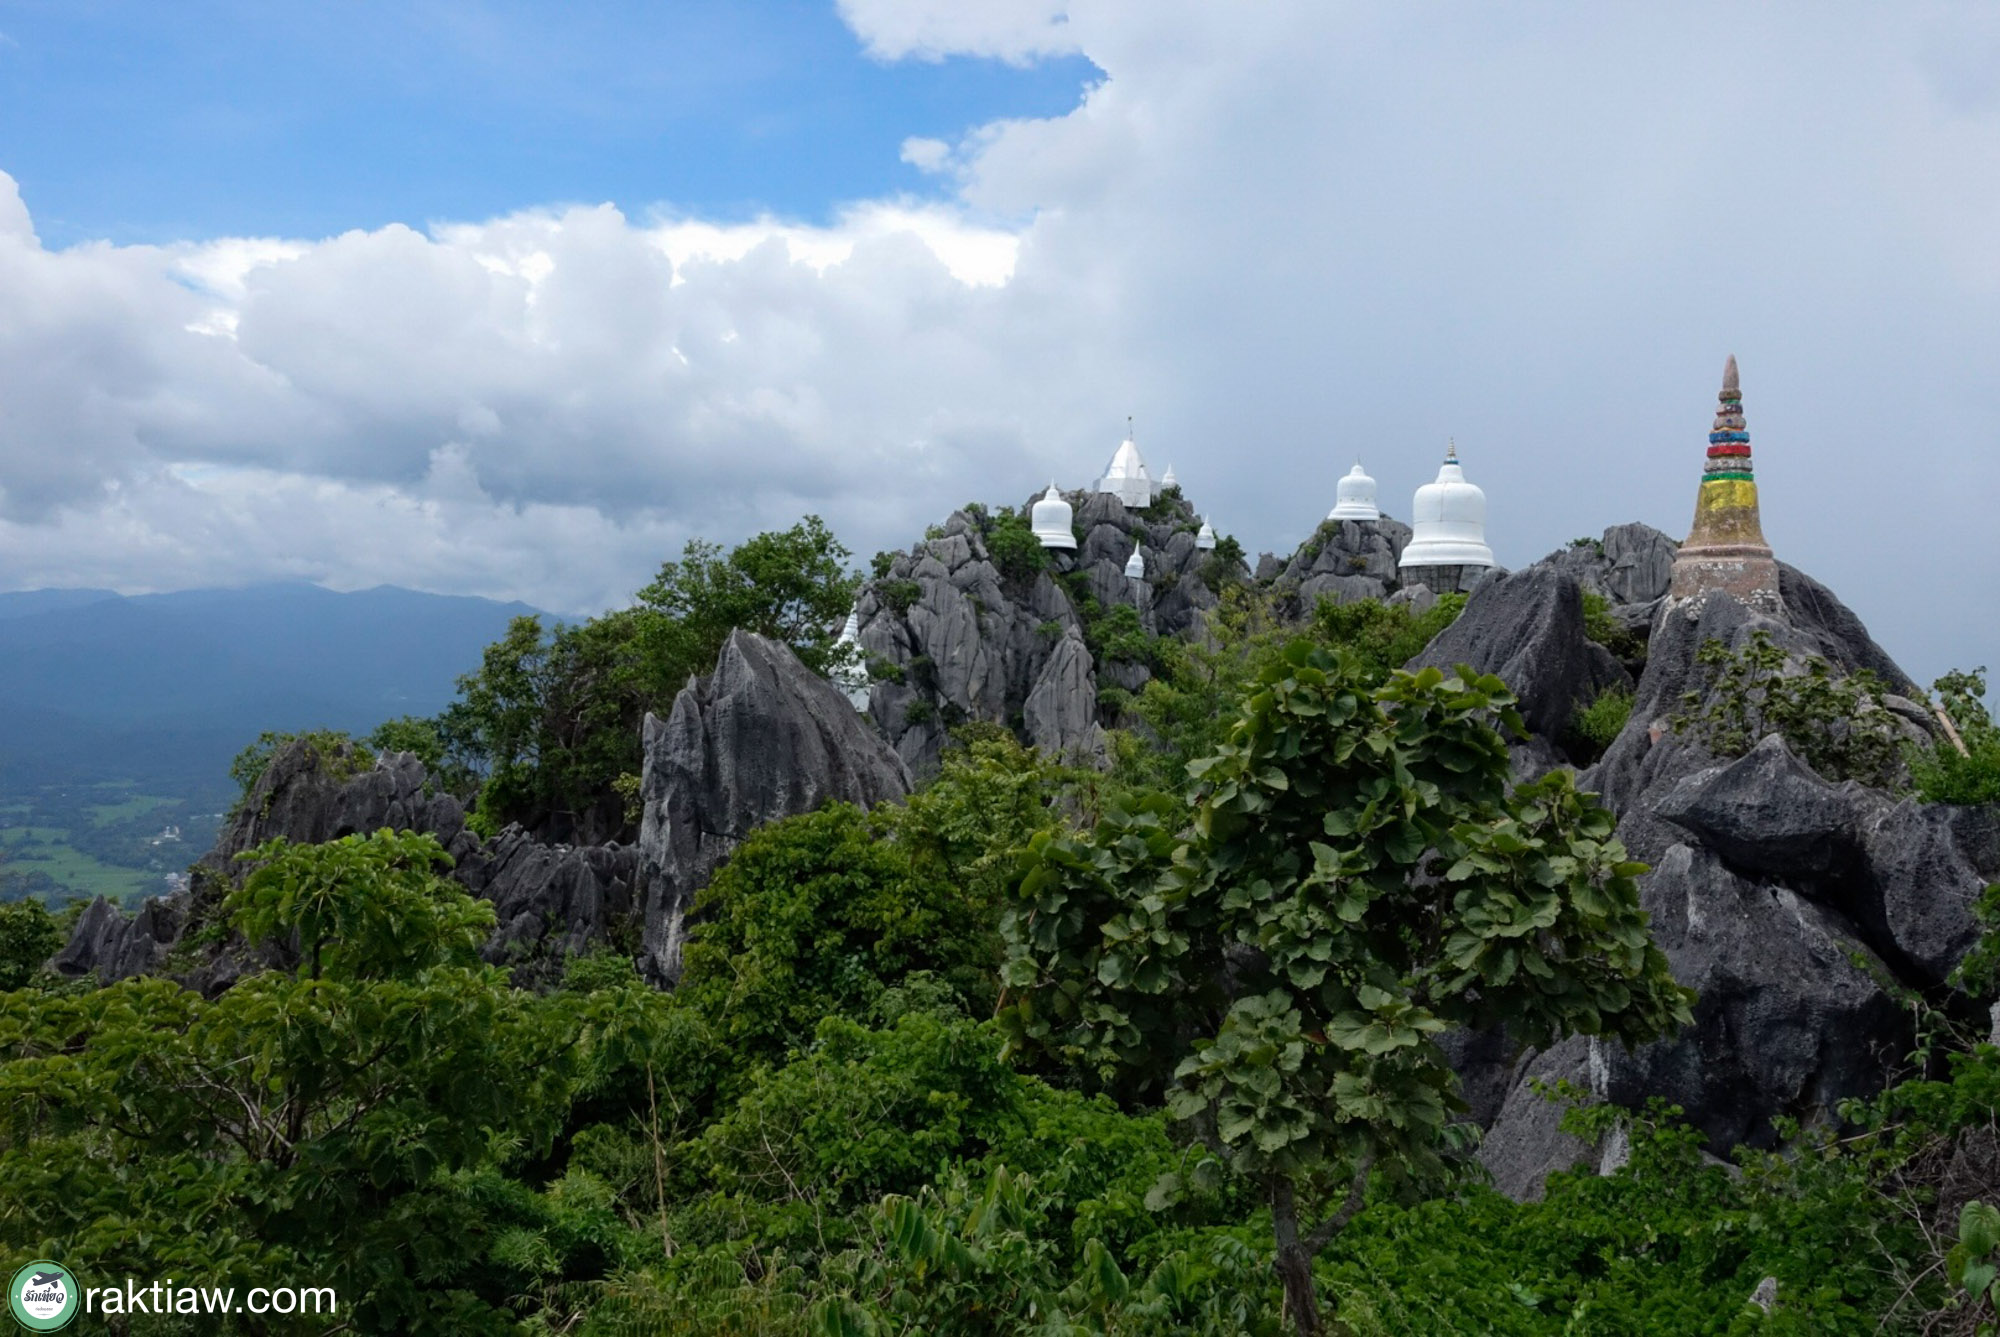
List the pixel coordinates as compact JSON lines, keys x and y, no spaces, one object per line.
{"x":44,"y":1296}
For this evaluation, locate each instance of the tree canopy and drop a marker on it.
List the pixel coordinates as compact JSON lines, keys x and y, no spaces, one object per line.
{"x":1357,"y":878}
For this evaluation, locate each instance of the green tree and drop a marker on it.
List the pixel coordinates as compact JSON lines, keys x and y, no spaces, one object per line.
{"x":1357,"y":878}
{"x":1944,"y":773}
{"x":550,"y":720}
{"x":792,"y":586}
{"x":329,"y":1121}
{"x":29,"y":935}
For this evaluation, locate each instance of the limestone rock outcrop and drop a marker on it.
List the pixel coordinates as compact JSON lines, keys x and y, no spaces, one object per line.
{"x":761,"y":738}
{"x":1526,"y":628}
{"x":1344,"y":559}
{"x":549,"y":899}
{"x":951,"y":637}
{"x":1794,"y":905}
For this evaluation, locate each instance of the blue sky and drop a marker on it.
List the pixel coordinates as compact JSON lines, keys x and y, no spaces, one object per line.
{"x":515,"y":299}
{"x":137,"y":120}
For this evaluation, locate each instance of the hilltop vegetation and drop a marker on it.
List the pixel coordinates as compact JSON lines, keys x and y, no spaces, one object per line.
{"x":1045,"y":1049}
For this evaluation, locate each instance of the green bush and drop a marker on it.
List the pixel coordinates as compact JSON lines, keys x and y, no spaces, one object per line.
{"x":1943,"y":774}
{"x":1383,"y":637}
{"x":1011,"y":543}
{"x":1835,"y":722}
{"x":1604,"y":719}
{"x":29,"y":935}
{"x":899,"y":595}
{"x":1600,"y":626}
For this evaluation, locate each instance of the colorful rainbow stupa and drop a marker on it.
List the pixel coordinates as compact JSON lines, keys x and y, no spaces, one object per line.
{"x":1727,"y":550}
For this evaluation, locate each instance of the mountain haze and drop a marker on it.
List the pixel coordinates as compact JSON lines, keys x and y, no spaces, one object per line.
{"x":165,"y":688}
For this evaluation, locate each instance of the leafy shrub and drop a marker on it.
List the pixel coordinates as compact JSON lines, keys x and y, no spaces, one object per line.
{"x":1011,"y":543}
{"x":1942,"y":774}
{"x":899,"y":595}
{"x":1382,"y":637}
{"x":1604,"y":719}
{"x":816,"y":915}
{"x":1600,"y":626}
{"x":1835,"y":722}
{"x":1224,"y":566}
{"x":1118,"y":634}
{"x":29,"y":935}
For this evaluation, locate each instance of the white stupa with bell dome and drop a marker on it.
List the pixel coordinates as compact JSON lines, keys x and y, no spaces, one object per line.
{"x":1168,"y":480}
{"x":1447,"y":547}
{"x":1052,"y":520}
{"x":1205,"y":540}
{"x":851,"y":677}
{"x":1355,"y":497}
{"x":1126,"y":478}
{"x":1135,"y":565}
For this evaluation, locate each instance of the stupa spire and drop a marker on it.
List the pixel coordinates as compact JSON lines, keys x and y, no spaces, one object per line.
{"x":1726,"y":550}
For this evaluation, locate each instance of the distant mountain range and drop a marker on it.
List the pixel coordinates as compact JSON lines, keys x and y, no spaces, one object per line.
{"x":164,"y":689}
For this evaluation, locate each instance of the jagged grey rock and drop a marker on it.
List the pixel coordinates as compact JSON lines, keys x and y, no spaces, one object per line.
{"x":1525,"y":1143}
{"x":1418,"y":598}
{"x":1061,"y":710}
{"x":1527,"y":629}
{"x":1897,"y":868}
{"x":114,"y":945}
{"x":974,"y":643}
{"x":1631,"y":564}
{"x":1344,"y":560}
{"x":1794,"y":905}
{"x":309,"y":796}
{"x":550,"y":901}
{"x":761,"y":738}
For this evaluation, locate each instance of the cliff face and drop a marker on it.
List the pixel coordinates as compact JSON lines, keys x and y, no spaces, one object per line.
{"x":760,"y":739}
{"x":1798,"y":908}
{"x":951,"y":637}
{"x":548,"y":899}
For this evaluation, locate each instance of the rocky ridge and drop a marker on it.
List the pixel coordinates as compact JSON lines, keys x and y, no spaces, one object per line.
{"x":761,"y":738}
{"x":953,"y":633}
{"x":1799,"y":908}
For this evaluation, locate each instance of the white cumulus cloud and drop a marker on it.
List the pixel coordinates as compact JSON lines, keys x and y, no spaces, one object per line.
{"x":1282,"y":235}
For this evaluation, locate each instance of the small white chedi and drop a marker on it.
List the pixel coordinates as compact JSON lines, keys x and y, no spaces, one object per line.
{"x":1135,"y":565}
{"x":1052,"y":520}
{"x":1126,"y":478}
{"x":1448,"y":529}
{"x":851,"y":677}
{"x":1355,"y":498}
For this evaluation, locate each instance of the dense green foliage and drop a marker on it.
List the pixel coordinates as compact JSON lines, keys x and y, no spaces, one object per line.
{"x":1600,"y":626}
{"x":1603,"y":720}
{"x":29,"y":935}
{"x":330,"y":1122}
{"x":1036,"y":1052}
{"x":1357,"y":879}
{"x":1187,"y":708}
{"x":550,"y":719}
{"x":1946,"y":775}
